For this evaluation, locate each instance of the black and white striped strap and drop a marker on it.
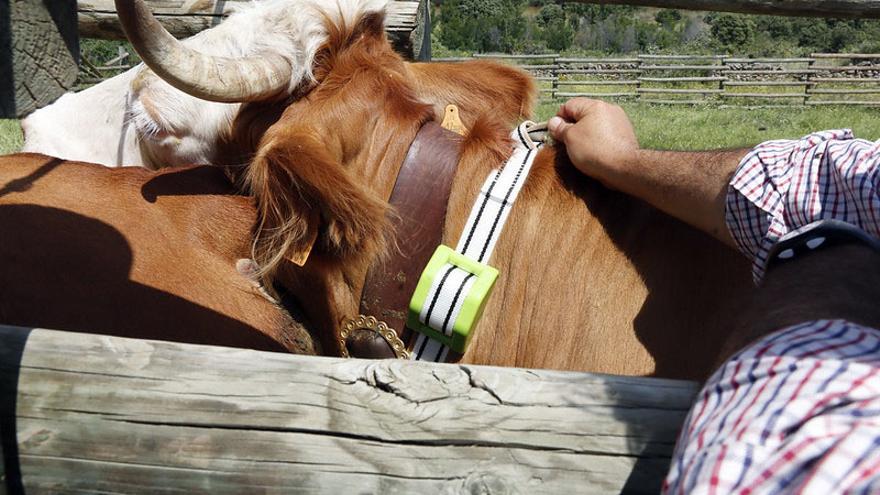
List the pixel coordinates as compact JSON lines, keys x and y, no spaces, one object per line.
{"x":481,"y":233}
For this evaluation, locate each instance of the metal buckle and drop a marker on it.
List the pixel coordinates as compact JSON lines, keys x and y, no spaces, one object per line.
{"x":379,"y":327}
{"x":472,"y":305}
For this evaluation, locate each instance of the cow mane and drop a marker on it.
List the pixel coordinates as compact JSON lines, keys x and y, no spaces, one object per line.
{"x":300,"y":175}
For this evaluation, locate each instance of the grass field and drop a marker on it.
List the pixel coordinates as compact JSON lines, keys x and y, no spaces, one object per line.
{"x":685,"y":128}
{"x":701,"y":128}
{"x":10,"y":136}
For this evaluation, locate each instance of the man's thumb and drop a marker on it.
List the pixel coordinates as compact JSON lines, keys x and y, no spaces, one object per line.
{"x":558,"y":128}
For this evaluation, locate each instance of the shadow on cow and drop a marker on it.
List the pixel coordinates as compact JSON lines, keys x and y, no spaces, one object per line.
{"x":694,"y":284}
{"x":62,"y":269}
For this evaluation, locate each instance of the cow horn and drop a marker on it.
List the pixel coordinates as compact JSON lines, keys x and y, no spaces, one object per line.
{"x":220,"y":79}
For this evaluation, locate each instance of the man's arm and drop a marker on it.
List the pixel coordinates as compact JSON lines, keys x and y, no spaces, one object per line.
{"x":691,"y":186}
{"x":794,"y":405}
{"x":839,"y":283}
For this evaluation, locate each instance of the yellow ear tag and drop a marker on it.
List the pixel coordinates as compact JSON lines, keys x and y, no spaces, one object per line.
{"x":452,"y":121}
{"x":301,"y":257}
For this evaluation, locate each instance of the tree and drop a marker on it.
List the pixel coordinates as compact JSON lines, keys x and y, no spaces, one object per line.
{"x":732,"y":30}
{"x":554,"y":28}
{"x":814,"y":34}
{"x":668,"y":18}
{"x":843,"y":35}
{"x":779,"y":28}
{"x":482,"y":25}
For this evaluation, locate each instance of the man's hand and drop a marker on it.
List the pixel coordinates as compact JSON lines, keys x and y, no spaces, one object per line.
{"x":598,"y":137}
{"x":691,"y":186}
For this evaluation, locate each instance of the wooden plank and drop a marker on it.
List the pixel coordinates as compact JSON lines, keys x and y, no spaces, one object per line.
{"x":768,"y":83}
{"x":405,"y":23}
{"x":39,"y":54}
{"x":680,"y":57}
{"x":846,"y":55}
{"x":598,"y":60}
{"x":682,"y":67}
{"x":507,"y":56}
{"x":731,"y":71}
{"x":401,"y":13}
{"x":674,"y":102}
{"x":103,"y":414}
{"x":763,"y":95}
{"x":599,"y":71}
{"x":683,"y":79}
{"x":599,"y":83}
{"x":854,"y":9}
{"x":845,"y":79}
{"x":845,"y":102}
{"x":596,"y":95}
{"x":767,"y":60}
{"x":848,"y":68}
{"x":452,"y":59}
{"x":756,"y":107}
{"x":537,"y":67}
{"x":680,"y":91}
{"x":845,"y":91}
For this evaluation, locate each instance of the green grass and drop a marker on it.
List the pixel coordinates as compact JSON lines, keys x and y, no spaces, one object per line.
{"x":10,"y":136}
{"x":704,"y":128}
{"x":682,"y":127}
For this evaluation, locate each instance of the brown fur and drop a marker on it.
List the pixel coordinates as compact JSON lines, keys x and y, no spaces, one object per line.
{"x":300,"y":170}
{"x":142,"y":254}
{"x":508,"y":90}
{"x":590,"y":280}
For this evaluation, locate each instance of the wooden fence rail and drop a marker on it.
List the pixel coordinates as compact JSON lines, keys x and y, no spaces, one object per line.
{"x":95,"y":414}
{"x":821,"y":79}
{"x":408,"y":21}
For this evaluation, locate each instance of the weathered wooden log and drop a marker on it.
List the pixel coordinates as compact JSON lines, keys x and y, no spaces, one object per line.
{"x":86,"y":414}
{"x":631,"y":82}
{"x":647,"y":56}
{"x":864,"y":9}
{"x":598,"y":95}
{"x":39,"y":54}
{"x":676,"y":91}
{"x":408,"y":20}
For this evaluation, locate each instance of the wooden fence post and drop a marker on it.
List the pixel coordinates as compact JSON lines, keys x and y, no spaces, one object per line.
{"x":554,"y":73}
{"x":639,"y":78}
{"x":809,"y":88}
{"x":39,"y":53}
{"x":421,"y":35}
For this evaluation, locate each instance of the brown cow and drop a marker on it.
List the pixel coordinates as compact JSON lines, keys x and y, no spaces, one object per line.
{"x":590,"y":280}
{"x":142,"y":254}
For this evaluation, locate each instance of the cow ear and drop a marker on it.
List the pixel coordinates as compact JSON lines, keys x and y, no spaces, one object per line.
{"x":305,"y":197}
{"x":372,"y":24}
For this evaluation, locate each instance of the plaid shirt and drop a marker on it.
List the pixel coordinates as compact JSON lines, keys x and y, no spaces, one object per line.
{"x":798,"y":411}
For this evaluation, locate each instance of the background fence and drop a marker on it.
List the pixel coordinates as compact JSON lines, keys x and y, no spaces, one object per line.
{"x":821,"y":79}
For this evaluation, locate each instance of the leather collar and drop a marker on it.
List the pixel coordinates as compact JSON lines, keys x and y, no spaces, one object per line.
{"x":420,"y":198}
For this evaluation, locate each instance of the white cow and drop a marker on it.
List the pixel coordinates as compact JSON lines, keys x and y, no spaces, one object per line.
{"x":262,"y":52}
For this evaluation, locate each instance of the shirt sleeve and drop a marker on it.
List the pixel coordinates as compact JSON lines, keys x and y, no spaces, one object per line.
{"x":796,"y":412}
{"x":784,"y":185}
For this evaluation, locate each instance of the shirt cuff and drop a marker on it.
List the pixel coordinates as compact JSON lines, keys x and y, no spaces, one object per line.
{"x":783,"y":185}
